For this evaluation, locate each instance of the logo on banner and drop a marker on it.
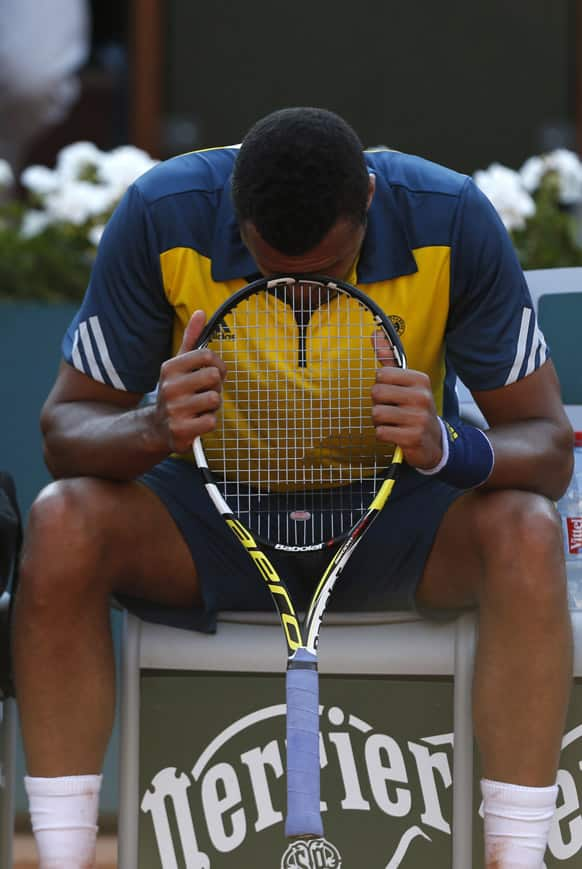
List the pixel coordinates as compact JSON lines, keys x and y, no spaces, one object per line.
{"x":234,"y":792}
{"x":574,"y":526}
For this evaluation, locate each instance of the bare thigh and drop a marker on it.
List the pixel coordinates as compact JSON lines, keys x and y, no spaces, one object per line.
{"x":110,"y":537}
{"x":454,"y":563}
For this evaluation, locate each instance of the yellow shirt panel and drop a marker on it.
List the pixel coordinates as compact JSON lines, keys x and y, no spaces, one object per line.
{"x":418,"y":306}
{"x":189,"y":285}
{"x":407,"y":299}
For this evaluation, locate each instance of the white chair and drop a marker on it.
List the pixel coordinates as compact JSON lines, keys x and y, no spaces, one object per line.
{"x":390,"y":646}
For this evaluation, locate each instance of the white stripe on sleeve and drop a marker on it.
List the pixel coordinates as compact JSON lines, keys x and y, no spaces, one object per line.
{"x":114,"y":377}
{"x":538,"y":343}
{"x":521,"y":347}
{"x":89,"y":354}
{"x":75,"y":355}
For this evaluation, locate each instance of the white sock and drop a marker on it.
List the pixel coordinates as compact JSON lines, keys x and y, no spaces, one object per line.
{"x":63,"y":812}
{"x":517,"y":823}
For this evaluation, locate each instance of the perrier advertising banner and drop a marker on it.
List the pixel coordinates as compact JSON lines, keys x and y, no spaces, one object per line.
{"x":212,"y":784}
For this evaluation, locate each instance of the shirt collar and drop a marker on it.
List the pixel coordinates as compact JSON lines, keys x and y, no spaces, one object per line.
{"x":230,"y":256}
{"x":385,"y":253}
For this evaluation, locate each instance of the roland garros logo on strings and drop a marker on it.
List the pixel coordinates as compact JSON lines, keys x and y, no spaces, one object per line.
{"x":376,"y":774}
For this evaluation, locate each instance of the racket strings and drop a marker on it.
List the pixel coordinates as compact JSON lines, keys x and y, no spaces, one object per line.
{"x":294,"y":453}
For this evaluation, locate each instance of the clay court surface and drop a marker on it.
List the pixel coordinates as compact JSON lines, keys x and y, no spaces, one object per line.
{"x":25,"y":853}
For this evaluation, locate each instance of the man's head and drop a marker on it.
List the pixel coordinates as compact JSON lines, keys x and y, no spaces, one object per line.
{"x":300,"y":181}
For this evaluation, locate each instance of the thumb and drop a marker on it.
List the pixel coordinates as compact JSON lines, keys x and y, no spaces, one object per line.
{"x":383,"y":349}
{"x":192,"y":332}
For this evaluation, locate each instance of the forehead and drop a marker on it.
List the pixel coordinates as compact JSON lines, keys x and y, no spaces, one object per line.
{"x":342,"y":242}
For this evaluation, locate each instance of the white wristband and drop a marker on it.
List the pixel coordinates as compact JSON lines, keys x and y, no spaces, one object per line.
{"x":445,"y":456}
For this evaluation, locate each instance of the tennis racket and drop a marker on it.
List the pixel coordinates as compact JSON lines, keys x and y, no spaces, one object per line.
{"x":294,"y":464}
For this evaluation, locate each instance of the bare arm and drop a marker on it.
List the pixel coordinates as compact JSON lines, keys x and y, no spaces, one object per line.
{"x":529,"y":429}
{"x":531,"y":435}
{"x":91,"y":429}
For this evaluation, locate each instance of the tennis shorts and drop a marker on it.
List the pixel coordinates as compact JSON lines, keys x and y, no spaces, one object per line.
{"x":382,"y":573}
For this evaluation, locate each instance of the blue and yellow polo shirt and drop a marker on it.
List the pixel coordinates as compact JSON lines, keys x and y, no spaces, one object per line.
{"x":436,"y":257}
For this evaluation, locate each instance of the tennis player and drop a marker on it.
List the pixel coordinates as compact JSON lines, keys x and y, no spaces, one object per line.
{"x":471,"y":522}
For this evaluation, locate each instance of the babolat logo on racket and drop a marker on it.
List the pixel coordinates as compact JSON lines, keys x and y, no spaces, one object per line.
{"x":311,"y":854}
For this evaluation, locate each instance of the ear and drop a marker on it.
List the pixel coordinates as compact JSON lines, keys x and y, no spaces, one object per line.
{"x":371,"y":188}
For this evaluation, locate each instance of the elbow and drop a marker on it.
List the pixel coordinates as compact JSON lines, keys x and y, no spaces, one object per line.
{"x":48,"y":429}
{"x":563,"y":465}
{"x":50,"y":462}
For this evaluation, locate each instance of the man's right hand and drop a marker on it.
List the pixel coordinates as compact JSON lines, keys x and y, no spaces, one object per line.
{"x":93,"y":429}
{"x":189,"y":391}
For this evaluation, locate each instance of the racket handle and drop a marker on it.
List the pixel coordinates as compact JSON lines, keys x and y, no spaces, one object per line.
{"x":303,"y":812}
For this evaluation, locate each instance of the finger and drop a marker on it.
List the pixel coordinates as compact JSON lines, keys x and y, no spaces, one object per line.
{"x":185,"y":431}
{"x":401,"y":391}
{"x":191,"y":362}
{"x":193,"y":405}
{"x":192,"y":332}
{"x":199,"y":380}
{"x":405,"y":377}
{"x":383,"y":349}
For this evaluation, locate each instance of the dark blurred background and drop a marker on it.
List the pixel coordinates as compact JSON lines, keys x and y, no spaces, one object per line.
{"x":101,"y":114}
{"x":462,"y":83}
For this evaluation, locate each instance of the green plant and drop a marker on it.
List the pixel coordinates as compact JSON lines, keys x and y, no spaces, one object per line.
{"x":549,"y":238}
{"x":541,"y":207}
{"x":48,"y":239}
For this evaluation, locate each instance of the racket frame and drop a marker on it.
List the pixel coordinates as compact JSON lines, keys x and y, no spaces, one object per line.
{"x":302,"y":638}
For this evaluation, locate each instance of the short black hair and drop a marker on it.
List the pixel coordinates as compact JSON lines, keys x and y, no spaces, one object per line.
{"x":297,"y":172}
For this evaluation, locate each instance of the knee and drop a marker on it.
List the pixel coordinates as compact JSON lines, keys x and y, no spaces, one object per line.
{"x":512,"y":523}
{"x":520,"y":539}
{"x":62,"y":543}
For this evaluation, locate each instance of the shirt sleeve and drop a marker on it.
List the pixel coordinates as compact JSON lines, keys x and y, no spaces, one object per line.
{"x":493,"y":338}
{"x":122,"y":331}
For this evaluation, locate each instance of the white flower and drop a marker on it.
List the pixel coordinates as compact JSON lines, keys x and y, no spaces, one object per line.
{"x":120,"y":168}
{"x":6,"y":174}
{"x":531,"y":173}
{"x":75,"y":159}
{"x":94,"y":234}
{"x":83,"y":189}
{"x":566,"y":164}
{"x":505,"y":190}
{"x":33,"y":223}
{"x":569,"y":170}
{"x":39,"y":180}
{"x":79,"y":201}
